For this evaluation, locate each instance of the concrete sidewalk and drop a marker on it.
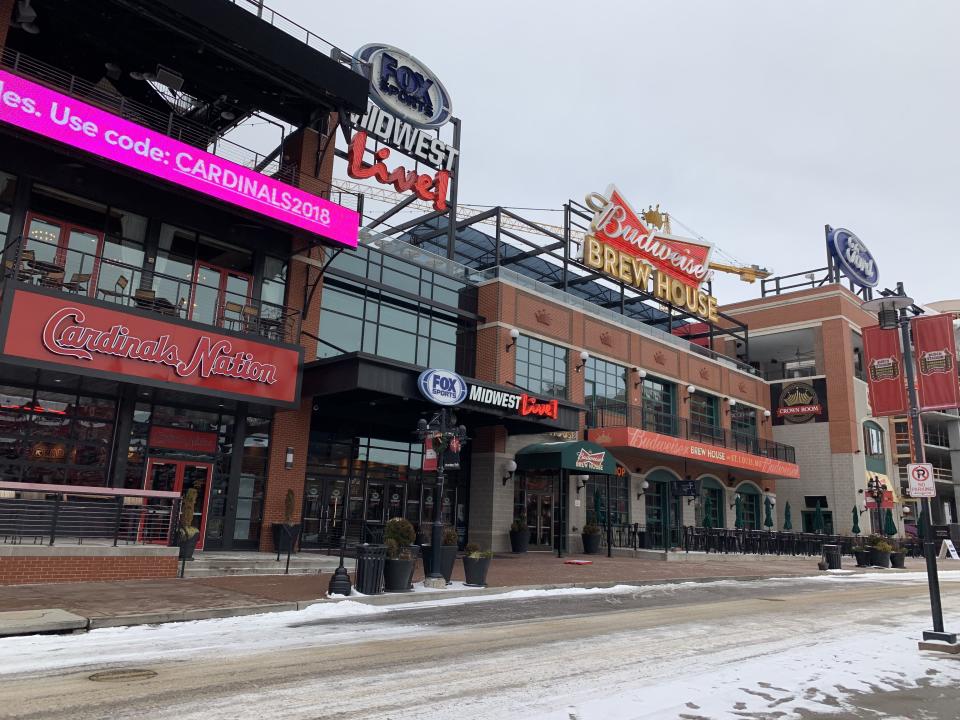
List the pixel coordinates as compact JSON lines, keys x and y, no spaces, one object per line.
{"x":139,"y":602}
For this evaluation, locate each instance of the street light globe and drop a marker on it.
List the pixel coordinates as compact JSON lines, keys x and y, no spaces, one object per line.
{"x":584,"y":355}
{"x":514,"y":333}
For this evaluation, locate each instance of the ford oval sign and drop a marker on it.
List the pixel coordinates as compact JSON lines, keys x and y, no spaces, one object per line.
{"x":442,"y":387}
{"x":403,"y":86}
{"x":852,"y":256}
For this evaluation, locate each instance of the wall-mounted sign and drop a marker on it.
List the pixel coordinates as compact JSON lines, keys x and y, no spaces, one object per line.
{"x":627,"y":437}
{"x":852,"y":257}
{"x":443,"y":387}
{"x":432,"y":189}
{"x":85,"y":127}
{"x":799,"y":402}
{"x":403,"y":86}
{"x":522,"y":403}
{"x":587,"y":460}
{"x":620,"y":245}
{"x":685,"y":488}
{"x":62,"y":330}
{"x":182,"y":439}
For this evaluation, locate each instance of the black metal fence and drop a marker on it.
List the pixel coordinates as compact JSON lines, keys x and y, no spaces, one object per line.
{"x":745,"y":542}
{"x":49,"y":514}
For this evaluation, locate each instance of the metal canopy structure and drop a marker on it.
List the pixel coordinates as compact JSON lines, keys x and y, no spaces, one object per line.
{"x":526,"y":247}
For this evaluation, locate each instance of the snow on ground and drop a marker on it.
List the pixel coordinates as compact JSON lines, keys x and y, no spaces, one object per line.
{"x":259,"y":633}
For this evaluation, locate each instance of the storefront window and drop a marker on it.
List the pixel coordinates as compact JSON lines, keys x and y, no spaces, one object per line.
{"x":873,"y":440}
{"x":704,"y":423}
{"x":605,"y":380}
{"x":596,"y":500}
{"x":273,"y":290}
{"x":743,"y":426}
{"x":541,"y":367}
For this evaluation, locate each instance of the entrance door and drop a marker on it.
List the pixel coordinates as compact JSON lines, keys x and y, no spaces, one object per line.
{"x":62,"y":252}
{"x":540,"y":519}
{"x":323,"y":511}
{"x":179,"y":476}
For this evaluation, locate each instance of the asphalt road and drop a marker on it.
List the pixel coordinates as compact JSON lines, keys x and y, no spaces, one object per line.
{"x":539,"y":657}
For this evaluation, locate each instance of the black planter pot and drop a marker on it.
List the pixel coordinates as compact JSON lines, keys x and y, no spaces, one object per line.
{"x":187,"y":546}
{"x":448,"y":558}
{"x":879,"y":559}
{"x":475,"y":570}
{"x":519,"y":540}
{"x":863,"y":557}
{"x":591,"y":543}
{"x":897,"y":558}
{"x":398,"y":575}
{"x":285,"y":537}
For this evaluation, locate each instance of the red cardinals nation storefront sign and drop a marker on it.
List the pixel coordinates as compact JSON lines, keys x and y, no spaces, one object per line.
{"x":79,"y":336}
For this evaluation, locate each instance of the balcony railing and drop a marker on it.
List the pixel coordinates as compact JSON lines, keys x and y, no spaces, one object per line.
{"x":936,"y":437}
{"x":101,"y":277}
{"x":614,"y":413}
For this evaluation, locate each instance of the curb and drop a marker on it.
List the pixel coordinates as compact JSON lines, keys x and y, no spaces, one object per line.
{"x":106,"y":621}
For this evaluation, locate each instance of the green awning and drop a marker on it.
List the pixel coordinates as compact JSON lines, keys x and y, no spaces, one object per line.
{"x":575,"y":455}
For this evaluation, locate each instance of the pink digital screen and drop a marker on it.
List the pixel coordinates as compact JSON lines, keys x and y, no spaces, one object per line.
{"x":45,"y":112}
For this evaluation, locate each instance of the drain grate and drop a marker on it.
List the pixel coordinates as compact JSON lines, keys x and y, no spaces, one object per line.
{"x":127,"y":675}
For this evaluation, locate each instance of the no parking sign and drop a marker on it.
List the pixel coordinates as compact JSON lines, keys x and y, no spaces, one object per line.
{"x":920,"y":478}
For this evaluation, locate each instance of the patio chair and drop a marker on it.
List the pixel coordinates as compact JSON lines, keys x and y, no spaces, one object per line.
{"x":236,"y":309}
{"x":52,"y":280}
{"x":119,"y":289}
{"x":78,"y":283}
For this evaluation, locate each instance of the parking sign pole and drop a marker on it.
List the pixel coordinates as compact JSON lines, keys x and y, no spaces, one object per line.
{"x":918,"y":455}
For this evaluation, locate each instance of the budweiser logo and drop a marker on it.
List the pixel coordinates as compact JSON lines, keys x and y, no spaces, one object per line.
{"x":65,"y":334}
{"x":615,"y":222}
{"x":589,"y":460}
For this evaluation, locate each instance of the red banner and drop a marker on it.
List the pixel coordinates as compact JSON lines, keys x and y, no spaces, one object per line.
{"x":629,"y":437}
{"x":935,"y":348}
{"x":884,"y":367}
{"x":71,"y":333}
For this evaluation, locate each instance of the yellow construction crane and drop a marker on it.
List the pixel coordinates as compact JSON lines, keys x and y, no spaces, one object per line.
{"x":652,"y":216}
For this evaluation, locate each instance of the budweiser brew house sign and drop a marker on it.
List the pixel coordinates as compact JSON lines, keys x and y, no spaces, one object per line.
{"x":672,"y":269}
{"x":80,"y":336}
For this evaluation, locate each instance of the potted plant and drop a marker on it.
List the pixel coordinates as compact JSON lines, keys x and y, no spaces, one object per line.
{"x":187,"y":534}
{"x":862,"y":554}
{"x":476,"y":563}
{"x":591,"y":535}
{"x":897,"y":556}
{"x":519,"y":535}
{"x":398,"y":535}
{"x":287,"y":533}
{"x":448,"y":554}
{"x":880,"y":554}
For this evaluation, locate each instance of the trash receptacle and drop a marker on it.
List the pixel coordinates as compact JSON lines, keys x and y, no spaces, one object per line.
{"x":368,"y":578}
{"x":831,"y":553}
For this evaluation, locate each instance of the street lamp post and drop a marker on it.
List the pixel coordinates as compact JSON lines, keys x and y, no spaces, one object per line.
{"x":876,"y":490}
{"x":441,"y":426}
{"x":891,"y":311}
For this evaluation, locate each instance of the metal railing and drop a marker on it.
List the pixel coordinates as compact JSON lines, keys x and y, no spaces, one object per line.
{"x":47,"y":265}
{"x":616,"y":413}
{"x":42,"y":513}
{"x":291,"y":28}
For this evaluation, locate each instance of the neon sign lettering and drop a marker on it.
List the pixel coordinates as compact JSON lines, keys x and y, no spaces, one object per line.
{"x":532,"y":406}
{"x":432,"y":189}
{"x":65,"y":334}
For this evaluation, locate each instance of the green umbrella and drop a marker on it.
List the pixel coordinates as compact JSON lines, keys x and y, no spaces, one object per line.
{"x":818,"y":518}
{"x":889,"y":526}
{"x":787,"y":522}
{"x":738,"y":504}
{"x":708,"y":512}
{"x":856,"y":521}
{"x":767,"y":513}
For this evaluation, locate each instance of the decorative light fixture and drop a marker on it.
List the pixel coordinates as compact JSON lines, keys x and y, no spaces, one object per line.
{"x":766,"y":415}
{"x":691,"y":389}
{"x":508,"y":470}
{"x":731,"y":404}
{"x":644,"y":486}
{"x":288,"y":459}
{"x":584,"y":356}
{"x":514,"y":334}
{"x":641,"y":374}
{"x":581,"y":482}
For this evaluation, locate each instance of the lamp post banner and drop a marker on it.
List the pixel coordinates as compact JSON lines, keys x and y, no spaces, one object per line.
{"x":884,"y":368}
{"x":938,"y":385}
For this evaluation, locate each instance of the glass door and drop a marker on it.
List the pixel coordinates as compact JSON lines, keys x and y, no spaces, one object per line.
{"x":540,"y":519}
{"x":180,"y":476}
{"x":62,"y":255}
{"x":219,"y":296}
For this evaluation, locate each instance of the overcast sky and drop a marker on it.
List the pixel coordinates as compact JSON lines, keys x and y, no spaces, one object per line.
{"x":755,"y":123}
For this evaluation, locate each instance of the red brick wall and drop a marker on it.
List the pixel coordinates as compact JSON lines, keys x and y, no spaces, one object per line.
{"x":25,"y":570}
